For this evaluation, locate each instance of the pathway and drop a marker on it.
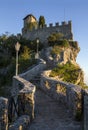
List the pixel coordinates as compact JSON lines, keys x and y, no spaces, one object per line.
{"x":50,"y":115}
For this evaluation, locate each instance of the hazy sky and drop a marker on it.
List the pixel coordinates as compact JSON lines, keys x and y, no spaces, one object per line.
{"x":12,"y":13}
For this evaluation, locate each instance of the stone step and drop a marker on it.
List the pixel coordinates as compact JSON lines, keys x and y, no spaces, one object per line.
{"x":51,"y":115}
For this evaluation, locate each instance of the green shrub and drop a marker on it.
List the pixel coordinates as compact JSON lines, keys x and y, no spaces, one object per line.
{"x":54,"y":38}
{"x":67,"y":72}
{"x":55,"y":50}
{"x":26,"y":53}
{"x":63,"y":43}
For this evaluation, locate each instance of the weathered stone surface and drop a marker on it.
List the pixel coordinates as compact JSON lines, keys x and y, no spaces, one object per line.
{"x":86,"y":112}
{"x":52,"y":115}
{"x":66,"y":93}
{"x":26,"y":103}
{"x":64,"y":55}
{"x":19,"y":84}
{"x":21,"y":123}
{"x":30,"y":74}
{"x":43,"y":33}
{"x":24,"y":94}
{"x":3,"y":113}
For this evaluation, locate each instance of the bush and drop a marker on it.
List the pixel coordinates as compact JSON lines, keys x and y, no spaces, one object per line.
{"x":26,"y":53}
{"x":63,"y":43}
{"x":56,"y":50}
{"x":53,"y":38}
{"x":67,"y":72}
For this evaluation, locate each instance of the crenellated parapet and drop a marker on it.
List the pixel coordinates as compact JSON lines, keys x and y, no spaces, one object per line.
{"x":43,"y":33}
{"x":62,"y":24}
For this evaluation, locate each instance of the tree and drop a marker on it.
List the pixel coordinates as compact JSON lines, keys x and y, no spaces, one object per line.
{"x":26,"y":53}
{"x":41,"y":21}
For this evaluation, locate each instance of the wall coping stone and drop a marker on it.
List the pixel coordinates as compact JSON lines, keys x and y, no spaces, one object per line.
{"x":27,"y":85}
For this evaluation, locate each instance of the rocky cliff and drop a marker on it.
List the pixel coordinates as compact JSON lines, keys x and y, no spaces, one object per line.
{"x":61,"y":55}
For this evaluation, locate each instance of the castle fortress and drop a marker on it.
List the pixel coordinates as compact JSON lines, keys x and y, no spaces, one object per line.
{"x":43,"y":33}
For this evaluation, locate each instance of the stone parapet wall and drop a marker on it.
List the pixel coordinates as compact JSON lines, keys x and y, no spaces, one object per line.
{"x":73,"y":96}
{"x":3,"y":113}
{"x":20,"y":85}
{"x":30,"y":74}
{"x":69,"y":94}
{"x":21,"y":123}
{"x":24,"y":93}
{"x":85,"y":108}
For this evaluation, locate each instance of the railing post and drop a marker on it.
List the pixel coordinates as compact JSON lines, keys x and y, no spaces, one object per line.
{"x":3,"y":113}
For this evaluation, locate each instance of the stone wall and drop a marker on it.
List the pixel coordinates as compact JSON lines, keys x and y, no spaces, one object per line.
{"x":23,"y":93}
{"x":30,"y":74}
{"x":3,"y":113}
{"x":45,"y":32}
{"x":69,"y":94}
{"x":21,"y":123}
{"x":20,"y":85}
{"x":85,"y":110}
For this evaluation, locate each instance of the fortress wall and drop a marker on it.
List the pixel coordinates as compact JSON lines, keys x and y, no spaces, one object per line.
{"x":44,"y":33}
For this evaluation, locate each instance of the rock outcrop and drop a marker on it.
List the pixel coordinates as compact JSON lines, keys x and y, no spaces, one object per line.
{"x":61,"y":55}
{"x":64,"y":55}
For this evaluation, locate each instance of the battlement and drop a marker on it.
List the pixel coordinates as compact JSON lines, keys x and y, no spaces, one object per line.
{"x":64,"y":27}
{"x":64,"y":23}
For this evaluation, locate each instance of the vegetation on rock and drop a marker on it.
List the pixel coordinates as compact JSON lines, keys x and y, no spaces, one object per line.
{"x":68,"y":72}
{"x":59,"y":40}
{"x":55,"y":37}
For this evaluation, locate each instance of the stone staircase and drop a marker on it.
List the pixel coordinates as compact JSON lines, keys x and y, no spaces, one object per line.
{"x":51,"y":115}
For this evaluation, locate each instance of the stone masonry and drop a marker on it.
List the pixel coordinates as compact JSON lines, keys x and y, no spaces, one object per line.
{"x":3,"y":113}
{"x":86,"y":110}
{"x":68,"y":94}
{"x":72,"y":96}
{"x":21,"y":123}
{"x":45,"y":32}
